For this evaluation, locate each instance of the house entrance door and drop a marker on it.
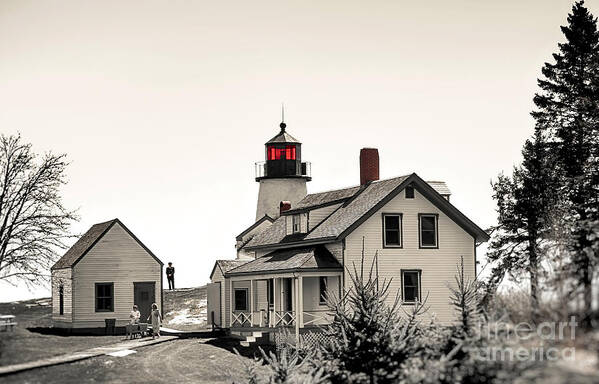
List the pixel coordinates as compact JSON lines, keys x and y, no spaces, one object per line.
{"x":144,"y":295}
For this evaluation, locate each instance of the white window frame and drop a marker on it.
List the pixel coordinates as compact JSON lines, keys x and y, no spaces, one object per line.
{"x":296,"y":224}
{"x":436,"y":218}
{"x":419,"y":287}
{"x":326,"y":289}
{"x":247,"y":299}
{"x":400,"y":245}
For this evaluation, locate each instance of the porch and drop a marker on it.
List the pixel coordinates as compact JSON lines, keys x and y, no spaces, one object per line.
{"x":294,"y":300}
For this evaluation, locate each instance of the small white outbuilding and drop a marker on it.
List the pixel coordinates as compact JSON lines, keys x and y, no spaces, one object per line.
{"x":102,"y":276}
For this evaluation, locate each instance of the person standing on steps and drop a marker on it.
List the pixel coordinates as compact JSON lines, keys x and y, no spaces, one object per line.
{"x":170,"y":276}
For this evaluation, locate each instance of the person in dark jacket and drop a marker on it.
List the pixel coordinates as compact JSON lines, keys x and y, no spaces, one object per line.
{"x":170,"y":276}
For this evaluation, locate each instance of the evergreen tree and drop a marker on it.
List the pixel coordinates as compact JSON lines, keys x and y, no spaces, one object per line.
{"x":567,"y":115}
{"x":524,"y":201}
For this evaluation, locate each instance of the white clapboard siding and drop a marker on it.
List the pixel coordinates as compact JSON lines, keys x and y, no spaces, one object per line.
{"x":62,"y":277}
{"x":218,"y":277}
{"x":227,"y":302}
{"x":438,"y":265}
{"x":117,"y":258}
{"x":311,"y":292}
{"x":316,"y":216}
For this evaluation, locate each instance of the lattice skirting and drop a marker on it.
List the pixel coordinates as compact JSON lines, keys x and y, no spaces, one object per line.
{"x":310,"y":339}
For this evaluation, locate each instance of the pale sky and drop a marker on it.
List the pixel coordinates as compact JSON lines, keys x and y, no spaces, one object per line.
{"x":164,"y":106}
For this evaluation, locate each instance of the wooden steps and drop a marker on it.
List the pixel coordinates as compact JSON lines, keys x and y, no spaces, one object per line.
{"x":247,"y":338}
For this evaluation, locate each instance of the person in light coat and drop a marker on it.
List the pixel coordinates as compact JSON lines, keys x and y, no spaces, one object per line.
{"x":156,"y":319}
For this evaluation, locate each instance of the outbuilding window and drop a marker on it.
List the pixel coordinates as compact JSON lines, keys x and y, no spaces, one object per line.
{"x":410,"y":285}
{"x":241,"y":299}
{"x":392,"y":230}
{"x":104,"y":297}
{"x":428,"y":230}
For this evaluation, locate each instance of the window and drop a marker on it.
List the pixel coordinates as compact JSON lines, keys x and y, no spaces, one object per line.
{"x":410,"y":286}
{"x":241,"y":299}
{"x":296,"y":223}
{"x":409,"y":192}
{"x":428,"y":230}
{"x":290,"y":152}
{"x":287,"y":153}
{"x":322,"y":287}
{"x":61,"y":300}
{"x":270,"y":290}
{"x":104,"y":297}
{"x":392,"y":230}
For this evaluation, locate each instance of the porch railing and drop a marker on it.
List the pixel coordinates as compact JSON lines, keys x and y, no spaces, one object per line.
{"x":283,"y":318}
{"x":279,"y":318}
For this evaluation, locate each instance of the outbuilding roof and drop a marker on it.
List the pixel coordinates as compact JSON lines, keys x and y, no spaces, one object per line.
{"x":356,"y":208}
{"x":288,"y":260}
{"x":89,"y":239}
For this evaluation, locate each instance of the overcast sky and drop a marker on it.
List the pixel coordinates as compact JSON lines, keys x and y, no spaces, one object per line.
{"x":163,"y":107}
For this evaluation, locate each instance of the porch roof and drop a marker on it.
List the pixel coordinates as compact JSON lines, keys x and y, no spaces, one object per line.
{"x":288,"y":260}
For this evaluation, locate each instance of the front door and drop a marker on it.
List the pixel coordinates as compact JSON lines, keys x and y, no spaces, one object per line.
{"x":144,"y":295}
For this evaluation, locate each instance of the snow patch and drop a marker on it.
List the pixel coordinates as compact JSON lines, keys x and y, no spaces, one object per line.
{"x":186,"y":317}
{"x":122,"y":353}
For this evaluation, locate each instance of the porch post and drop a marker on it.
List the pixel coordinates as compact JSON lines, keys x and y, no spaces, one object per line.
{"x":251,"y":302}
{"x":274,"y":304}
{"x":231,"y":303}
{"x":300,"y":304}
{"x":298,"y":310}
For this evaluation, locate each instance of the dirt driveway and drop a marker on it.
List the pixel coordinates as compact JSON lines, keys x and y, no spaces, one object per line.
{"x":178,"y":361}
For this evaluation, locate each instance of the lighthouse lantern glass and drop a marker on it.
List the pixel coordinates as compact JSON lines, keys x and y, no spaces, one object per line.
{"x":286,"y":153}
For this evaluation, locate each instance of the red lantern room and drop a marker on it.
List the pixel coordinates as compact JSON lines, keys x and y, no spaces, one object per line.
{"x":283,"y":158}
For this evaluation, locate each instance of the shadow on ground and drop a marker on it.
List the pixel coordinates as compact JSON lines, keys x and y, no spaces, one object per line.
{"x":231,"y":344}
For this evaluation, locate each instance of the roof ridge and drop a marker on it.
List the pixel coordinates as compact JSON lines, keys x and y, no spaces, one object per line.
{"x":358,"y":186}
{"x":332,"y":190}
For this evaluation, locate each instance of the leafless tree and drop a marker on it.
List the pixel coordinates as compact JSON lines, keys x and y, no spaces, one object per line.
{"x":33,"y":221}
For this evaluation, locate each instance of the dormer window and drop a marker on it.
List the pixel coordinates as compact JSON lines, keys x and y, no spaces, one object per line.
{"x":296,"y":223}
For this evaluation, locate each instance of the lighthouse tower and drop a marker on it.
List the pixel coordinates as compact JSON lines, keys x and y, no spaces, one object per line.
{"x":282,"y":176}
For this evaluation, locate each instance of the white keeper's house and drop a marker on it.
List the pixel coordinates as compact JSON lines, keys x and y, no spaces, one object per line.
{"x":100,"y":278}
{"x":302,"y":247}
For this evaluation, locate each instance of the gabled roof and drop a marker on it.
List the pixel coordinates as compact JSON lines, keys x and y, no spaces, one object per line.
{"x":320,"y":199}
{"x":89,"y":239}
{"x":227,"y":265}
{"x":251,"y":227}
{"x":357,"y":208}
{"x":288,"y":260}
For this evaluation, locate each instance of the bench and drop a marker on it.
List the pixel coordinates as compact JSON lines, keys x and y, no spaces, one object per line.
{"x":6,"y":322}
{"x":134,"y":330}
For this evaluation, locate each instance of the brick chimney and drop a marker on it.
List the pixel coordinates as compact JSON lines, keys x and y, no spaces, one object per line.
{"x":369,"y":165}
{"x":284,"y":206}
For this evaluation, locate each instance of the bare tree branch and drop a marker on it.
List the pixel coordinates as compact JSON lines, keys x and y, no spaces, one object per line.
{"x":33,"y":221}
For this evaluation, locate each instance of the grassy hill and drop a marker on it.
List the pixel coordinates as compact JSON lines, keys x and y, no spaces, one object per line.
{"x":185,"y":308}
